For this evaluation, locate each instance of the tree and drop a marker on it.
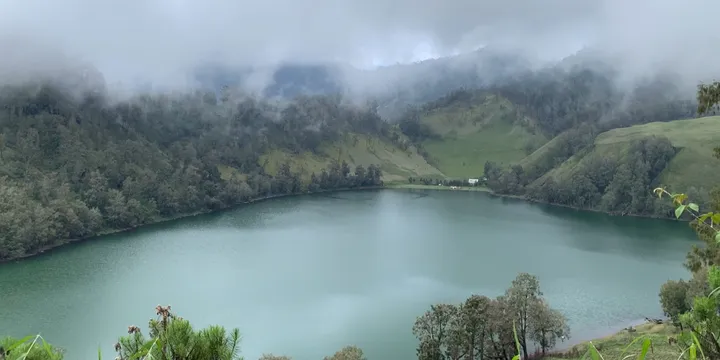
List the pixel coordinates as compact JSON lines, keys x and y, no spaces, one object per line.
{"x":474,"y":323}
{"x":522,"y":297}
{"x":501,"y":338}
{"x":481,"y":328}
{"x":433,"y":329}
{"x":547,"y":325}
{"x":674,"y":299}
{"x":274,"y":357}
{"x":172,"y":337}
{"x":347,"y":353}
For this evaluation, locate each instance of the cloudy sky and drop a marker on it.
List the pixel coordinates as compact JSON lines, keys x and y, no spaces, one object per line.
{"x":135,"y":38}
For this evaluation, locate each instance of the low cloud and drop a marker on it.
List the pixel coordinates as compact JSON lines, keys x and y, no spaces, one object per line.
{"x":160,"y":40}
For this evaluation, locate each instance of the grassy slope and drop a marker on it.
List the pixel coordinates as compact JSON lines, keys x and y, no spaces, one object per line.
{"x":612,"y":347}
{"x":396,"y":164}
{"x":694,"y":138}
{"x":473,"y":132}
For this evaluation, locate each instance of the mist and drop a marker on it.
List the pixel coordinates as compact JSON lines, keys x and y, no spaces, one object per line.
{"x":133,"y":43}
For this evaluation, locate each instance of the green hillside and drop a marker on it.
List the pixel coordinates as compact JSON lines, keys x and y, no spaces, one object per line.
{"x":471,"y":131}
{"x":355,"y":149}
{"x":694,"y":140}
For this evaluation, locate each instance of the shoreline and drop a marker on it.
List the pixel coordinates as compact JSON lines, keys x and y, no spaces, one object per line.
{"x":391,"y":186}
{"x":602,"y":336}
{"x":520,"y":197}
{"x":561,"y":349}
{"x":62,"y":243}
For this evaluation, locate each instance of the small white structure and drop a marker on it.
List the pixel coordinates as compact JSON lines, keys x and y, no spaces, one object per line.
{"x":473,"y":181}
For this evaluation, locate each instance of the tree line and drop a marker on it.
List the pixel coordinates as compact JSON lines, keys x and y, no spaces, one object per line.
{"x":73,"y":166}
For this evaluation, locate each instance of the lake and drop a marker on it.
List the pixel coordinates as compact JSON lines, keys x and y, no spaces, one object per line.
{"x":303,"y":276}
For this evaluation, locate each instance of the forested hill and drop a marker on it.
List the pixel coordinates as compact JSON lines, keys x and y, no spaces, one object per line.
{"x":571,"y":136}
{"x":75,"y":166}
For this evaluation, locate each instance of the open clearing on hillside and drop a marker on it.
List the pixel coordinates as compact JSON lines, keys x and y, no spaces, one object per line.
{"x":465,"y":157}
{"x":486,"y":129}
{"x":693,"y":165}
{"x":355,"y":149}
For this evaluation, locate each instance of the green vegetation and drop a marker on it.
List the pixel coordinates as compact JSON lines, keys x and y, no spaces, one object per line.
{"x":694,"y":139}
{"x":482,"y":328}
{"x":624,"y":343}
{"x":169,"y":337}
{"x":466,"y":129}
{"x":355,"y":149}
{"x":76,"y":164}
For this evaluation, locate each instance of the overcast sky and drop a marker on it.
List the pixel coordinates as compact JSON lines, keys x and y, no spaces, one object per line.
{"x":137,"y":38}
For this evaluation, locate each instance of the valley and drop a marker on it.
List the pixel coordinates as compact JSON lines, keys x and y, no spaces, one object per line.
{"x":76,"y":163}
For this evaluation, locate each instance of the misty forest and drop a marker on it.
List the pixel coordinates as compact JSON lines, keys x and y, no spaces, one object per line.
{"x":73,"y":168}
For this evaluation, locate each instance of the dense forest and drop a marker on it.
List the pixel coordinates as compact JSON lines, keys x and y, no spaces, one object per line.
{"x":76,"y":165}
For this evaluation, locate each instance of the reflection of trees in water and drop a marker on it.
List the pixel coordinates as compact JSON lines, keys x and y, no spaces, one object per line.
{"x":604,"y":233}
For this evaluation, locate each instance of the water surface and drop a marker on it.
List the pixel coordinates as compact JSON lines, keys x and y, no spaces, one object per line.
{"x":306,"y":275}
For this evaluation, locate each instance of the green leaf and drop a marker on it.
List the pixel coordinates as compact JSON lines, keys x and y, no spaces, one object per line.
{"x":19,"y":342}
{"x":696,"y":342}
{"x":99,"y":353}
{"x":48,"y":349}
{"x":144,"y":350}
{"x":692,"y":352}
{"x":645,"y":348}
{"x":679,"y":198}
{"x":629,"y":346}
{"x":678,"y":212}
{"x":594,"y":353}
{"x":659,"y":191}
{"x":717,"y":237}
{"x":704,"y":217}
{"x":517,"y":342}
{"x":694,"y":207}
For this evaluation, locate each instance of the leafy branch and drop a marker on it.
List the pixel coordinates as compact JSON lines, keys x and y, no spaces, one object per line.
{"x":683,"y":206}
